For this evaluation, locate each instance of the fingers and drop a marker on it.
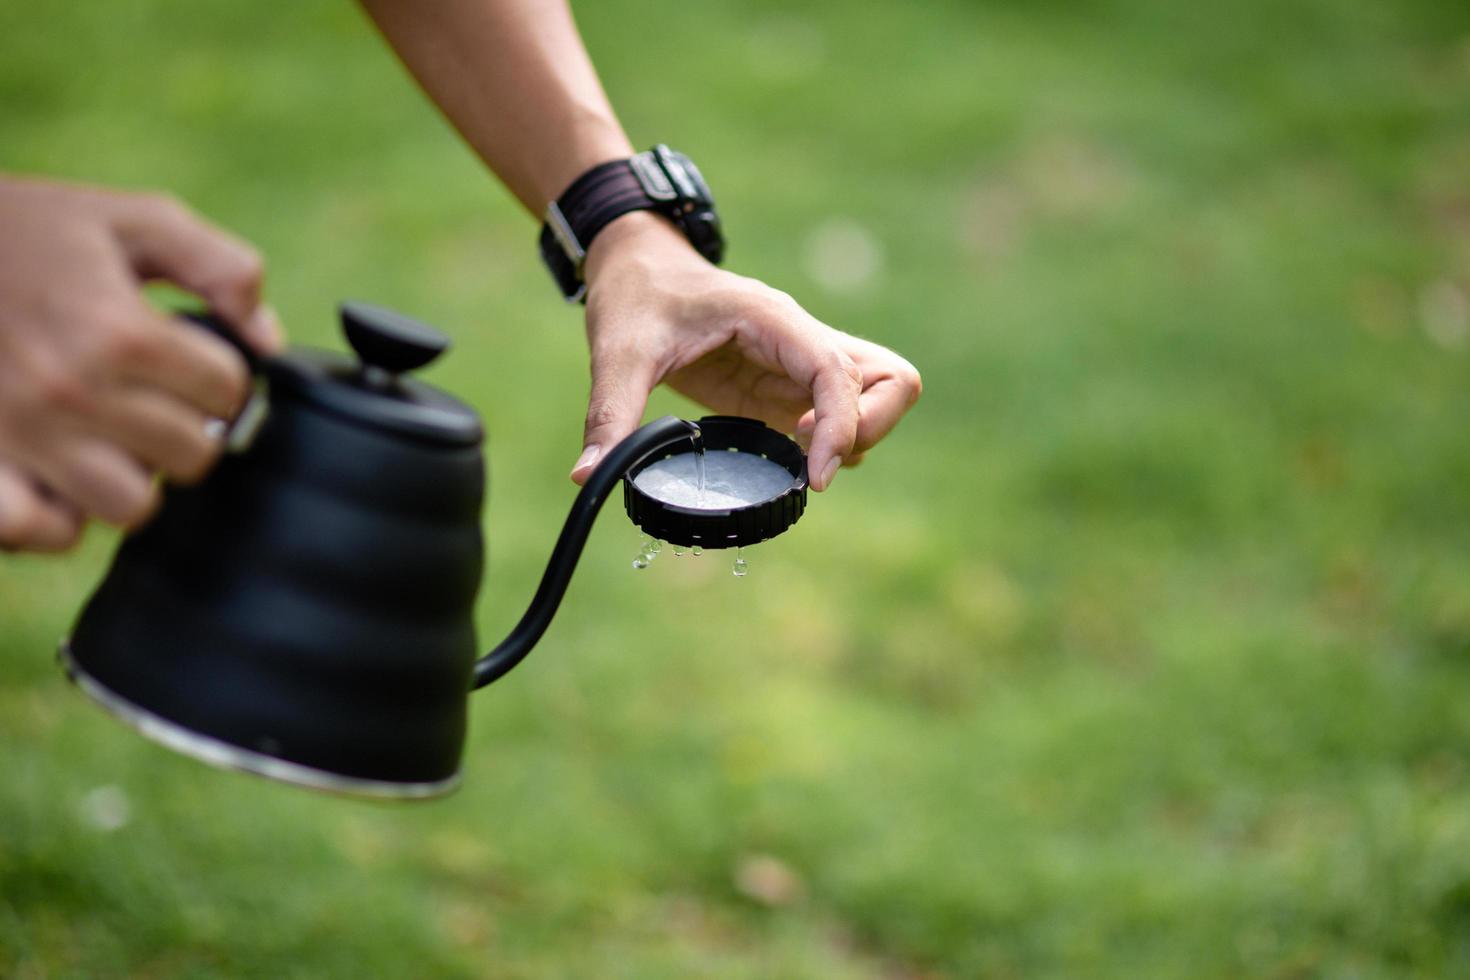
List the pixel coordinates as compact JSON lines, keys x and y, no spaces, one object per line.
{"x":891,"y":386}
{"x":810,"y":356}
{"x":803,"y":436}
{"x":808,"y":351}
{"x":31,"y":519}
{"x":622,"y":377}
{"x":98,"y":478}
{"x":835,"y":411}
{"x":163,"y":434}
{"x":880,"y":406}
{"x":165,"y":239}
{"x":200,"y":370}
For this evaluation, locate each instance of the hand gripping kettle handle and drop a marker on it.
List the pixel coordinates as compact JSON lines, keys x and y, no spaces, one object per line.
{"x":654,"y":436}
{"x":241,"y":431}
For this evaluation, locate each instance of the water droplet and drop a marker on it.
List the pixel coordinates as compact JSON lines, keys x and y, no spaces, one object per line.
{"x":679,"y":552}
{"x":647,"y":552}
{"x":697,"y":551}
{"x":742,"y":567}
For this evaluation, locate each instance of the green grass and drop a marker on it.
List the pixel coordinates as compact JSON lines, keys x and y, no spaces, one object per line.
{"x":1143,"y":649}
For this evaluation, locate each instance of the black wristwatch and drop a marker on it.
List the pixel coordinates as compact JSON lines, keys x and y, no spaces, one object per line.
{"x":660,"y":180}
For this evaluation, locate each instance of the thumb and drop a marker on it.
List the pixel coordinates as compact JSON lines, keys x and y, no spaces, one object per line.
{"x":621,"y":381}
{"x":164,"y":239}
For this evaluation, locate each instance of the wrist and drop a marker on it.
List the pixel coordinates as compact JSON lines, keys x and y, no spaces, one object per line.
{"x":638,"y":234}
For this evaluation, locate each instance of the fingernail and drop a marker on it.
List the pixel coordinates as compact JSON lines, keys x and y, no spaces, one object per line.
{"x":830,"y":471}
{"x":264,"y":328}
{"x":588,"y":457}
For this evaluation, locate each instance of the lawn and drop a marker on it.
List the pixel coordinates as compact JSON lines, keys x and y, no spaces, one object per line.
{"x":1142,"y":649}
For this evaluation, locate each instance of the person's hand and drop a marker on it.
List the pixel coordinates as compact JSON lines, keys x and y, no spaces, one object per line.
{"x":99,"y":391}
{"x":657,"y":311}
{"x":32,"y":517}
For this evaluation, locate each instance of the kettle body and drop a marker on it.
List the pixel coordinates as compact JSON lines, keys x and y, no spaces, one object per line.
{"x":306,"y":612}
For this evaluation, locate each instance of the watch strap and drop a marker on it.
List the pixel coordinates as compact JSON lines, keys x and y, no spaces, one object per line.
{"x":607,"y":191}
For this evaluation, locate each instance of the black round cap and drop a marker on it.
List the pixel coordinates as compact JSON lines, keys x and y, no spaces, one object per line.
{"x":737,"y":526}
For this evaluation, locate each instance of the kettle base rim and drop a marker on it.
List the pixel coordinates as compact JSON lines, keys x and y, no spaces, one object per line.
{"x":224,"y":755}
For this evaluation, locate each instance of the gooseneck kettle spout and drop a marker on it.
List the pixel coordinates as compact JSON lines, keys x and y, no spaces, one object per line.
{"x":652,"y":437}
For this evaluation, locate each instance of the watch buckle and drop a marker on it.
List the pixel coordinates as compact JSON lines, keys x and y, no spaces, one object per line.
{"x":561,"y":230}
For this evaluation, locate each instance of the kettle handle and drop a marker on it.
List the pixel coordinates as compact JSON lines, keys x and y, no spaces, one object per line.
{"x":241,"y":432}
{"x":212,"y":324}
{"x":652,"y":437}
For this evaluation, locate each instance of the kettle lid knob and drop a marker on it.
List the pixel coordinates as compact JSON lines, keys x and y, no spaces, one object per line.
{"x":388,"y":340}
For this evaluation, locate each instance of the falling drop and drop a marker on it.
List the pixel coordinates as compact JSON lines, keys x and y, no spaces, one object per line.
{"x":647,"y":553}
{"x":742,"y":567}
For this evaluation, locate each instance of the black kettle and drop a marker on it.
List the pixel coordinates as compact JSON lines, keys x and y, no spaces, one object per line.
{"x":306,"y":612}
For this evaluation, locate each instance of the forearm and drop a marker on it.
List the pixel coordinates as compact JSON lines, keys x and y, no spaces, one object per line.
{"x":515,"y":80}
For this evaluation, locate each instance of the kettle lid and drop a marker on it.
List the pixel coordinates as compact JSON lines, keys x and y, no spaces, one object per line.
{"x":374,"y":390}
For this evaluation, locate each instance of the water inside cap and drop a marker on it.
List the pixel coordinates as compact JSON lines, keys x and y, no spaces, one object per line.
{"x":731,"y":480}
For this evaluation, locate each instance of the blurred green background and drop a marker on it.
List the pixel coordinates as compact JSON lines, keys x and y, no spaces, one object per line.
{"x":1141,"y":649}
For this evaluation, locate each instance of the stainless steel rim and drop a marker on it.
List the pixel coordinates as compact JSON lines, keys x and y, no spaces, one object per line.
{"x":226,"y":756}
